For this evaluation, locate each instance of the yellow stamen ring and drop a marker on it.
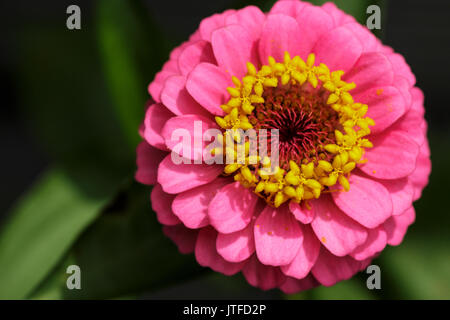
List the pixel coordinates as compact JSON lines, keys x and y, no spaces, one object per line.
{"x":309,"y":178}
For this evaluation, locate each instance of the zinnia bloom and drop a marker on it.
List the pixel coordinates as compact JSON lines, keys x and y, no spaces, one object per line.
{"x":353,"y":153}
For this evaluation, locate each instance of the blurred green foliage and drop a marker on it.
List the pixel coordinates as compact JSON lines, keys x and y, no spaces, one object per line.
{"x":85,"y":99}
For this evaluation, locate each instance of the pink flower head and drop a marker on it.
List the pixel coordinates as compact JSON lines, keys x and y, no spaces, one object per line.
{"x":353,"y":153}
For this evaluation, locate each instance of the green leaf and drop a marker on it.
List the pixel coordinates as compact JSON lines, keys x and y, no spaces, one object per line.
{"x":124,"y":38}
{"x":123,"y":253}
{"x":418,"y":269}
{"x":41,"y":230}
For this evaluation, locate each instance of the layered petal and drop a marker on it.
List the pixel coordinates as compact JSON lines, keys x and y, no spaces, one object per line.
{"x":194,"y":54}
{"x":330,"y":269}
{"x":396,"y":226}
{"x":336,"y":231}
{"x":280,"y":33}
{"x":386,"y":106}
{"x":176,"y":178}
{"x":233,"y":47}
{"x":301,"y":212}
{"x":210,"y":24}
{"x":338,"y":49}
{"x":191,"y":206}
{"x":402,"y":193}
{"x":232,"y":208}
{"x":290,"y":8}
{"x":278,"y":236}
{"x":147,"y":160}
{"x":401,"y":67}
{"x":155,"y":118}
{"x":376,"y":241}
{"x":208,"y":84}
{"x":237,"y":246}
{"x":161,"y":204}
{"x":313,"y":23}
{"x":367,"y":202}
{"x":251,"y":18}
{"x":170,"y":68}
{"x":178,"y":100}
{"x":292,"y":285}
{"x":339,"y":16}
{"x":393,"y":156}
{"x":367,"y":39}
{"x":306,"y":256}
{"x":262,"y":276}
{"x":371,"y":70}
{"x":184,"y":135}
{"x":420,"y":176}
{"x":207,"y":256}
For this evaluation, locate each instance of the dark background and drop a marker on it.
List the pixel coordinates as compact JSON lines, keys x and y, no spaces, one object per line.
{"x":48,"y":73}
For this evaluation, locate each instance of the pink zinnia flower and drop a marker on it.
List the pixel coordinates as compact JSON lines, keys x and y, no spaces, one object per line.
{"x":353,"y":149}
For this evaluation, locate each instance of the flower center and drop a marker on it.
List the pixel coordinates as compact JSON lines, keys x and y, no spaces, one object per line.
{"x":307,"y":117}
{"x":304,"y":123}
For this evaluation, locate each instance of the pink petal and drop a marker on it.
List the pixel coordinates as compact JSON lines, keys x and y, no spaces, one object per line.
{"x":176,"y":98}
{"x":419,"y":178}
{"x":251,"y":18}
{"x":313,"y":22}
{"x":278,"y":236}
{"x":178,"y":178}
{"x":196,"y":53}
{"x":196,"y":36}
{"x":393,"y":156}
{"x":301,"y":212}
{"x":330,"y":269}
{"x":376,"y":241}
{"x":371,"y":70}
{"x":401,"y":67}
{"x":233,"y":47}
{"x":367,"y":39}
{"x":418,"y":100}
{"x":177,"y":51}
{"x":290,"y":7}
{"x":292,"y":285}
{"x":412,"y":123}
{"x":191,"y":206}
{"x":337,"y":232}
{"x":396,"y":226}
{"x":368,"y":202}
{"x":386,"y":105}
{"x":306,"y":256}
{"x":405,"y":89}
{"x":210,"y":24}
{"x":208,"y":84}
{"x":169,"y":69}
{"x":190,"y":126}
{"x":155,"y":118}
{"x":339,"y":49}
{"x":232,"y":208}
{"x":237,"y":246}
{"x":207,"y":256}
{"x":280,"y":33}
{"x":161,"y":204}
{"x":148,"y":159}
{"x":339,"y":16}
{"x":183,"y":237}
{"x":401,"y":192}
{"x":262,"y":276}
